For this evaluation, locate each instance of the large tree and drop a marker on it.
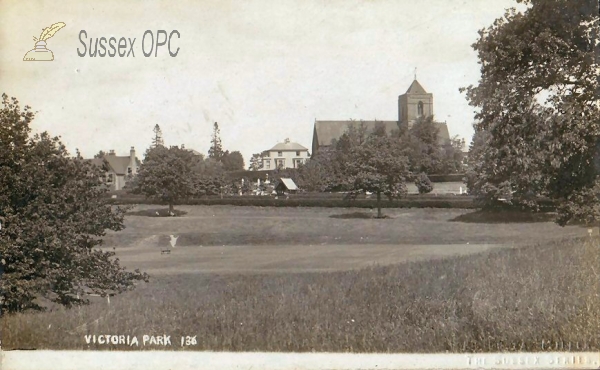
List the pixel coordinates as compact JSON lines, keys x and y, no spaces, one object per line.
{"x":537,"y":103}
{"x":233,"y":161}
{"x":168,"y":174}
{"x":54,"y":214}
{"x":318,"y":173}
{"x":378,"y":165}
{"x":426,"y":154}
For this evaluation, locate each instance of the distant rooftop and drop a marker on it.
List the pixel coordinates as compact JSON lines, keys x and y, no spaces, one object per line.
{"x":288,"y":145}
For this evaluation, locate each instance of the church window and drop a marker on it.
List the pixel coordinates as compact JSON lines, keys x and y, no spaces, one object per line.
{"x":420,"y":109}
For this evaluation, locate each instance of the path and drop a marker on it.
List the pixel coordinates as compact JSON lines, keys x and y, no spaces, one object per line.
{"x":289,"y":258}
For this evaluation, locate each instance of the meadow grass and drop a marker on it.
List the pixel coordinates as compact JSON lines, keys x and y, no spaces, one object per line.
{"x":537,"y":298}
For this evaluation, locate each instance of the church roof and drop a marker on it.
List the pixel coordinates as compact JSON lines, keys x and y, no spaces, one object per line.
{"x":325,"y":131}
{"x":416,"y":88}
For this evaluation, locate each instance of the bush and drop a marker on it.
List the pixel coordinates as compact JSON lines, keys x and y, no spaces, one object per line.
{"x":423,"y":184}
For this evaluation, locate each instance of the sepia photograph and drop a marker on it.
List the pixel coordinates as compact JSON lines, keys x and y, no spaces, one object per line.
{"x":344,"y":184}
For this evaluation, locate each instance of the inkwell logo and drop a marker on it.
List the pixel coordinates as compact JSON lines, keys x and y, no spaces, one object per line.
{"x":40,"y":52}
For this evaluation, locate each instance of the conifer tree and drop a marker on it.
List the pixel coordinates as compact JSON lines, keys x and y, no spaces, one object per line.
{"x":216,"y":149}
{"x":158,"y":138}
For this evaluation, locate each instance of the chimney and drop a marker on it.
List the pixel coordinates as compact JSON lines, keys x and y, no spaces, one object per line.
{"x":111,"y":152}
{"x":132,"y":161}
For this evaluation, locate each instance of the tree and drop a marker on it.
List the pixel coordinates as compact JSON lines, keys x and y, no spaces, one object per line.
{"x":318,"y":173}
{"x":426,"y":154}
{"x":216,"y":149}
{"x":537,"y":102}
{"x":210,"y":177}
{"x":256,"y":162}
{"x":233,"y":161}
{"x":100,"y":154}
{"x":158,"y":138}
{"x":476,"y":161}
{"x":423,"y":184}
{"x":168,"y":174}
{"x":453,"y":156}
{"x":379,"y":165}
{"x":54,"y":214}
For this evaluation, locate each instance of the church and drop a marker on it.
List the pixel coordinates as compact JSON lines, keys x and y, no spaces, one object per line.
{"x":415,"y":103}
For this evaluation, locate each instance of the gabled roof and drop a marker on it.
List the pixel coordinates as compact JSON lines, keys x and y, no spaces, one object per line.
{"x":326,"y":131}
{"x":116,"y":163}
{"x":288,"y":146}
{"x":99,"y":162}
{"x":289,"y":183}
{"x":194,"y":152}
{"x":416,"y":88}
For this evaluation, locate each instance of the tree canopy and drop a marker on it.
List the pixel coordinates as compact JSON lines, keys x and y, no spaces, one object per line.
{"x":256,"y":162}
{"x":168,"y":174}
{"x":54,"y":214}
{"x":233,"y":161}
{"x":537,"y":103}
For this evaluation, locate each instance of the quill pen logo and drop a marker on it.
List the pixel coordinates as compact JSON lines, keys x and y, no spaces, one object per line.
{"x":40,"y":52}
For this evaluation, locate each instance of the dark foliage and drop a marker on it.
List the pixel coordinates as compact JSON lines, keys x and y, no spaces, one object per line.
{"x":54,"y":214}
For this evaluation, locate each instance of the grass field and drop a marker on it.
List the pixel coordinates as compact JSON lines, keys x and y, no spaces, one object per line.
{"x":283,"y":279}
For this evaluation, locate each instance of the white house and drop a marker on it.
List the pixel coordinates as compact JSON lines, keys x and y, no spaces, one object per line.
{"x":284,"y":155}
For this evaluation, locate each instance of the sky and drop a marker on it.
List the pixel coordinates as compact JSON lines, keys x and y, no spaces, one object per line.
{"x":264,"y":70}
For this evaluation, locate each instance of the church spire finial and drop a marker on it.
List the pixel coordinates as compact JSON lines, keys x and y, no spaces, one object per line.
{"x":415,"y":73}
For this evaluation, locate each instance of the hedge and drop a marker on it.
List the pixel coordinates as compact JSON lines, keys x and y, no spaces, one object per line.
{"x":456,"y":202}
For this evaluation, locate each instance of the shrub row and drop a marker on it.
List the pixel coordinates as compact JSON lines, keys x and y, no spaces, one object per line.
{"x":457,"y":202}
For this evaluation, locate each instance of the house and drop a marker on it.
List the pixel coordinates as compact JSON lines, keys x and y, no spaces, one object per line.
{"x":413,"y":104}
{"x":119,"y":168}
{"x":286,"y":185}
{"x":284,"y":155}
{"x":194,"y":152}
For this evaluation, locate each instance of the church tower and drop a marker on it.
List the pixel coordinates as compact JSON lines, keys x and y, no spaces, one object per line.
{"x":415,"y":103}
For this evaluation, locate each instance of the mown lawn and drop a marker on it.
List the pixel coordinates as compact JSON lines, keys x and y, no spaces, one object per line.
{"x":230,"y":225}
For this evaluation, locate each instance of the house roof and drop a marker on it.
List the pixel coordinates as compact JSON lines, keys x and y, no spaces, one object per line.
{"x":116,"y":163}
{"x":194,"y":152}
{"x":289,"y":183}
{"x":288,"y":146}
{"x":416,"y":88}
{"x":326,"y":131}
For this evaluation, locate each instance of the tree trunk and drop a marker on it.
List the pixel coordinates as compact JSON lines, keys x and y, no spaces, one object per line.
{"x":379,"y":215}
{"x":171,"y":207}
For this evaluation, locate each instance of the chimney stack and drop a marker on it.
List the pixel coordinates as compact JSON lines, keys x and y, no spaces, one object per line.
{"x":111,"y":152}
